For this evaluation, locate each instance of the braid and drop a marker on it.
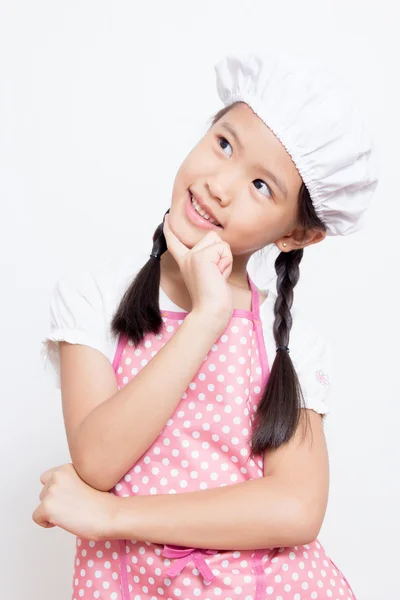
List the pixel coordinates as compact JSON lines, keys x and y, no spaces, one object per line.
{"x":288,"y":272}
{"x":159,"y":241}
{"x":139,"y":310}
{"x":278,"y":412}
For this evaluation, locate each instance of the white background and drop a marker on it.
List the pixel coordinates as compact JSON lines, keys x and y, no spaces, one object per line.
{"x":100,"y":102}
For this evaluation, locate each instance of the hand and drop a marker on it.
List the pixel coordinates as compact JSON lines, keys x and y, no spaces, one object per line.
{"x":70,"y":503}
{"x":205,"y":269}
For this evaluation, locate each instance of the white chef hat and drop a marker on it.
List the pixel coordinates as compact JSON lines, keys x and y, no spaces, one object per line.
{"x":314,"y":117}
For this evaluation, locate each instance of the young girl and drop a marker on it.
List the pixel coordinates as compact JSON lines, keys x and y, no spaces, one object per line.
{"x":194,"y":397}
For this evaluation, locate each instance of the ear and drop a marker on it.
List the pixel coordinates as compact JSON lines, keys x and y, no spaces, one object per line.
{"x":299,"y":238}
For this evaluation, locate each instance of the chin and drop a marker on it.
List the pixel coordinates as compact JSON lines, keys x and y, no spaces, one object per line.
{"x":184,"y":231}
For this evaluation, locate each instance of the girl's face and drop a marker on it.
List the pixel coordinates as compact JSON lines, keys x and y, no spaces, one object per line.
{"x":243,"y":175}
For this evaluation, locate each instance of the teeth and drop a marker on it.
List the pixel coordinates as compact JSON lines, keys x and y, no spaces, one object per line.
{"x":202,"y":212}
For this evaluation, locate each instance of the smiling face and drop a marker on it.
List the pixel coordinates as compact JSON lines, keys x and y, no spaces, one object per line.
{"x":247,"y":181}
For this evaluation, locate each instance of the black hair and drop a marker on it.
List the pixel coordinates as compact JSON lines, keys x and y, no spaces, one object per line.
{"x":279,"y":410}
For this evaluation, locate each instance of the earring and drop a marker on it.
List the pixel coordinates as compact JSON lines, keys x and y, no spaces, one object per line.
{"x":285,"y":244}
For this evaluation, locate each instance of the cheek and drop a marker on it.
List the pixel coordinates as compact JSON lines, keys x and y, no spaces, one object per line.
{"x":250,"y":231}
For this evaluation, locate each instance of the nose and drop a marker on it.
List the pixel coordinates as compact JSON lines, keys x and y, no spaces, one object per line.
{"x":219,"y":190}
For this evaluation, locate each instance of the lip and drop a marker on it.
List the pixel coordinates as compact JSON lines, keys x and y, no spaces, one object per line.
{"x":204,"y":206}
{"x":194,"y":216}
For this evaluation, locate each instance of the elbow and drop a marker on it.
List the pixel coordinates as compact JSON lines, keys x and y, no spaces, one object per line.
{"x":90,"y":475}
{"x":309,"y":519}
{"x":90,"y":471}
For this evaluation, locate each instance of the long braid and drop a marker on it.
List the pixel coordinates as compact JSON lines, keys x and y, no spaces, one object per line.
{"x":139,"y":310}
{"x":288,"y":273}
{"x":278,"y":413}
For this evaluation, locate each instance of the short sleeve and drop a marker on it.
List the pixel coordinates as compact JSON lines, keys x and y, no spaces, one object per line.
{"x":310,"y":352}
{"x":312,"y":358}
{"x":77,"y":316}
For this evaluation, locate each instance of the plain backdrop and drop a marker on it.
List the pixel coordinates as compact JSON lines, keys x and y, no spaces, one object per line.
{"x":99,"y":104}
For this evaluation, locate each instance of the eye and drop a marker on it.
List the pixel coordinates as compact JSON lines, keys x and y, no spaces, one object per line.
{"x":222,"y":139}
{"x":267,"y":186}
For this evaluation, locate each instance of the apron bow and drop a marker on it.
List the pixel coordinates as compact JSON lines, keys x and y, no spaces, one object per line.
{"x":183,"y":555}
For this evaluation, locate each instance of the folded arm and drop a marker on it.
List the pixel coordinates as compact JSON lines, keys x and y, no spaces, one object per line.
{"x":286,"y":507}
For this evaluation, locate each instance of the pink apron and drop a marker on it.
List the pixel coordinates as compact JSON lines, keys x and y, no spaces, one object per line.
{"x":204,"y":444}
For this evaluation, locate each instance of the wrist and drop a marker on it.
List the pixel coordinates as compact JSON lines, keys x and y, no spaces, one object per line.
{"x":211,"y":319}
{"x":112,"y":523}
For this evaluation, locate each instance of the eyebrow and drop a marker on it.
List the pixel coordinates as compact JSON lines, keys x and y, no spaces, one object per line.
{"x":274,"y":178}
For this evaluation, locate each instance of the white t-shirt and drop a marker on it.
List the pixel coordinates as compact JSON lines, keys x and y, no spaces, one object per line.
{"x":83,"y":303}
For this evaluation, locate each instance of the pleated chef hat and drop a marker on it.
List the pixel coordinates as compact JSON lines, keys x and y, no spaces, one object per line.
{"x":314,"y":117}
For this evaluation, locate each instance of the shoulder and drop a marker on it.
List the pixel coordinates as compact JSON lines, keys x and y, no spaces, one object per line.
{"x":96,"y":290}
{"x":81,"y":306}
{"x":310,"y":351}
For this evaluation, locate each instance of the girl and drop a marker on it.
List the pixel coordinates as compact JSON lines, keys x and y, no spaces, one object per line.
{"x":194,"y":397}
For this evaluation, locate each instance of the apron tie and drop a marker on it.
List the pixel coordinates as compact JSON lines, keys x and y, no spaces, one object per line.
{"x":183,"y":555}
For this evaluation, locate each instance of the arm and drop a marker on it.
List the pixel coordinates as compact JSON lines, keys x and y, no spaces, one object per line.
{"x":286,"y":507}
{"x":109,"y":430}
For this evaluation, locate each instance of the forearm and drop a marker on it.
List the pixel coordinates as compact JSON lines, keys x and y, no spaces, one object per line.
{"x":117,"y":432}
{"x":259,"y":513}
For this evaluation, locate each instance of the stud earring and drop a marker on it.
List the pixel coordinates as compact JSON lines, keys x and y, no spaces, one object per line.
{"x":285,"y":244}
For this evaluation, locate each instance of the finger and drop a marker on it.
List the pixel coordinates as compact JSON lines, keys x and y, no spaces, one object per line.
{"x":209,"y":239}
{"x":47,"y":475}
{"x":220,"y":251}
{"x":40,"y":517}
{"x":175,"y":246}
{"x":44,"y":490}
{"x":224,"y":263}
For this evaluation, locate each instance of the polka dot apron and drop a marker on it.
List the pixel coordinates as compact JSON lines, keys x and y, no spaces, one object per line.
{"x":204,"y":444}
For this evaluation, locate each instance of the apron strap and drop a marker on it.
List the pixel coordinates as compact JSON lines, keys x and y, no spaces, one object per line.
{"x":255,"y":299}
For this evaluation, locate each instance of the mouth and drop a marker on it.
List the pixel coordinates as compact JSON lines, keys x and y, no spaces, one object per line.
{"x":202,"y":212}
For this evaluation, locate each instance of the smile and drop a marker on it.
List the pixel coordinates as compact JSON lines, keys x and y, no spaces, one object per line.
{"x":202,"y":212}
